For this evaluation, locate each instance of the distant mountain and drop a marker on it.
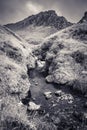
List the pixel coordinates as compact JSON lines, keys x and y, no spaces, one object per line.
{"x":84,"y":18}
{"x":47,"y":18}
{"x":36,"y":27}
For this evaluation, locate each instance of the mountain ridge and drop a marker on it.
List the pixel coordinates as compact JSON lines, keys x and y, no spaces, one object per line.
{"x":46,"y":18}
{"x":35,"y":28}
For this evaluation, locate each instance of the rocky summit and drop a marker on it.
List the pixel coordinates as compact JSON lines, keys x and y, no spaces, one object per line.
{"x":37,"y":27}
{"x":47,"y":18}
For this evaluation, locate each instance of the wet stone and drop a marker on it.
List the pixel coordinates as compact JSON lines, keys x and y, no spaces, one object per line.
{"x":58,"y":93}
{"x":36,"y":84}
{"x":41,"y":112}
{"x":74,"y":106}
{"x":85,"y":118}
{"x":85,"y":105}
{"x":85,"y":95}
{"x":33,"y":106}
{"x":78,"y":115}
{"x":48,"y":95}
{"x":56,"y":120}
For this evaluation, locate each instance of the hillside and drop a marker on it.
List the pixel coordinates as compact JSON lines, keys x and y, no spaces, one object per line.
{"x":65,"y":55}
{"x":14,"y":82}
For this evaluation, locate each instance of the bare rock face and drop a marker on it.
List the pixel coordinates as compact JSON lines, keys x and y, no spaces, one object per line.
{"x":14,"y":82}
{"x":65,"y":54}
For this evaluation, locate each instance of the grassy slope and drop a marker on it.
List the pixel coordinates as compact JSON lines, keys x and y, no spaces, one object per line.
{"x":66,"y":52}
{"x":35,"y":35}
{"x":14,"y":82}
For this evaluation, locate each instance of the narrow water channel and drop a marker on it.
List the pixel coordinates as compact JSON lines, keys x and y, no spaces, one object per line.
{"x":63,"y":107}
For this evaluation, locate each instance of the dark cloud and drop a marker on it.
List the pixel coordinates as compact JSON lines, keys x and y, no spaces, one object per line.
{"x":15,"y":10}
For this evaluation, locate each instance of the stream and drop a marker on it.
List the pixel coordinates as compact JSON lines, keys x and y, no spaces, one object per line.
{"x":64,"y":110}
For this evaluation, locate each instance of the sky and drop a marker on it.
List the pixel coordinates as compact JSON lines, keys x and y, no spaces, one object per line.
{"x":12,"y":11}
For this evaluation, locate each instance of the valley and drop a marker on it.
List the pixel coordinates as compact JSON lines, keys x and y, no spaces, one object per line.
{"x":43,"y":74}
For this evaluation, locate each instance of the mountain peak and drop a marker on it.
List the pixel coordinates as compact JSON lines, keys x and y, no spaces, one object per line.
{"x":84,"y":18}
{"x":46,"y":18}
{"x":50,"y":12}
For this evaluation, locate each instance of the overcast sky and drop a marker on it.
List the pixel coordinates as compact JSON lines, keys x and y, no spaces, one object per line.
{"x":15,"y":10}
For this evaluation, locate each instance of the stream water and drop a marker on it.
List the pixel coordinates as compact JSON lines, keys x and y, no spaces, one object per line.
{"x":65,"y":111}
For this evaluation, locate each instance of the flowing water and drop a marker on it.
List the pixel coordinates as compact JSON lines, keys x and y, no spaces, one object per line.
{"x":64,"y":111}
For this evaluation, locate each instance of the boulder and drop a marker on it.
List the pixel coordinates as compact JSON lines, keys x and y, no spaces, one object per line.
{"x":48,"y":95}
{"x":33,"y":106}
{"x":41,"y":65}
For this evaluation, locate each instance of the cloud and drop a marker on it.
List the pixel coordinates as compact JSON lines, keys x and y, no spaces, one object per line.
{"x":12,"y":10}
{"x":33,"y":7}
{"x":15,"y":10}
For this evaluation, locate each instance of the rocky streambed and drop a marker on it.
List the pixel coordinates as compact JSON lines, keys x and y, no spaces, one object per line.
{"x":55,"y":107}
